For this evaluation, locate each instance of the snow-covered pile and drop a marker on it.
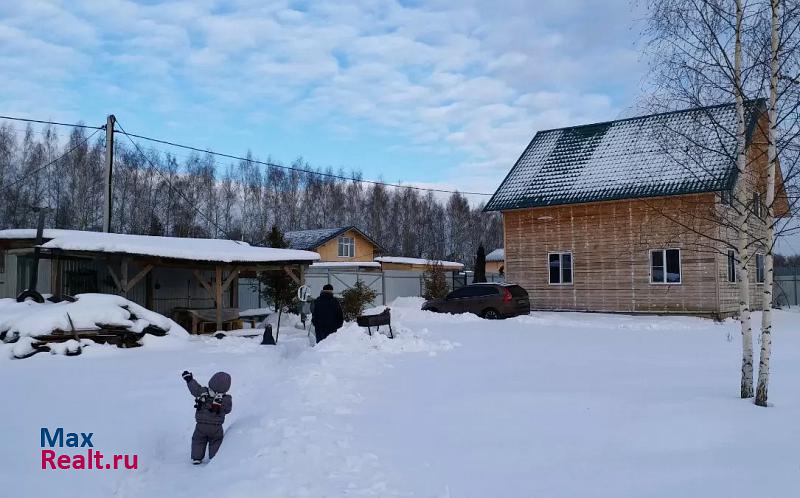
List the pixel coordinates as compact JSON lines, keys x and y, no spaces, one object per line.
{"x":22,"y":323}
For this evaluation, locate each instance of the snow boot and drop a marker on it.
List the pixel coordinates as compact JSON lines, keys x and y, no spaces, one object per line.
{"x":197,"y":462}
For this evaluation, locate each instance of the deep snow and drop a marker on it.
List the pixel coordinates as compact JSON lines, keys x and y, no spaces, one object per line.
{"x":552,"y":404}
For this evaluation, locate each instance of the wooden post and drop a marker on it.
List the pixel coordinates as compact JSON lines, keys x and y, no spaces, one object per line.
{"x":218,"y":294}
{"x":107,"y":187}
{"x":235,"y":293}
{"x":124,"y":277}
{"x":149,"y":298}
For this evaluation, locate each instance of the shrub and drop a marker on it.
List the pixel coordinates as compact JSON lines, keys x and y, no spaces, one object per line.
{"x":435,"y":281}
{"x":355,"y":299}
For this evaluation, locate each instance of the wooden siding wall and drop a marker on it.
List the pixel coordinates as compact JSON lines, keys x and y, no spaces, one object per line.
{"x":365,"y":250}
{"x":610,"y":243}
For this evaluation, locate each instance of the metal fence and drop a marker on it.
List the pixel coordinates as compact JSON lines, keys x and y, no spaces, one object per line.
{"x":787,"y":285}
{"x":387,"y":284}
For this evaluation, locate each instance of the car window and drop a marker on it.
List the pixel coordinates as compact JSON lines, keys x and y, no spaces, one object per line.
{"x":517,"y":291}
{"x":462,"y":292}
{"x":484,"y":290}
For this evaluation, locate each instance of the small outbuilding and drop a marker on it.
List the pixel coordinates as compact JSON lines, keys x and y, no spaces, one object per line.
{"x":188,"y":279}
{"x":495,"y":261}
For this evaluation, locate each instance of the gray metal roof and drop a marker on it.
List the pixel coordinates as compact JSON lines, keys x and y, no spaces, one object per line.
{"x":309,"y":240}
{"x":672,"y":153}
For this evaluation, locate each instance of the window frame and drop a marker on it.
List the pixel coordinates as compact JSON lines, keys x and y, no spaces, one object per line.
{"x":731,"y":258}
{"x":561,"y":255}
{"x":664,"y":255}
{"x":351,"y":245}
{"x":760,"y":268}
{"x":757,"y":204}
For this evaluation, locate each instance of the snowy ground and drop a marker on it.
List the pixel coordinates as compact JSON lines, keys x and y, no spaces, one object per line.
{"x":552,"y":404}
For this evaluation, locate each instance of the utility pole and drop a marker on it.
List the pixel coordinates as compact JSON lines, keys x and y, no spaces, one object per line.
{"x":109,"y":165}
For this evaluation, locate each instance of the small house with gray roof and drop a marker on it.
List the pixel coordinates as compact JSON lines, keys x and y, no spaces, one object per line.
{"x":342,"y":244}
{"x":637,"y":214}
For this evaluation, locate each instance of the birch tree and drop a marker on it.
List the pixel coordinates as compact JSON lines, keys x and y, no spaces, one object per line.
{"x":772,"y":157}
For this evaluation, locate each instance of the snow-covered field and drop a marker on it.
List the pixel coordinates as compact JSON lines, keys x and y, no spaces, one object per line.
{"x":552,"y":405}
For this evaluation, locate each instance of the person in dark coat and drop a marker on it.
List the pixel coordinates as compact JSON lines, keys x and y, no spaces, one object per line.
{"x":327,"y":316}
{"x":211,"y":405}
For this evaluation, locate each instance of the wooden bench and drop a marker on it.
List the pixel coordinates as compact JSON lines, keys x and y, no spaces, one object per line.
{"x":199,"y":319}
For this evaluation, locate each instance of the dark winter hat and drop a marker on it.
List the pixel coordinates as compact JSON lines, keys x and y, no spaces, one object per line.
{"x":327,"y":288}
{"x":220,"y":382}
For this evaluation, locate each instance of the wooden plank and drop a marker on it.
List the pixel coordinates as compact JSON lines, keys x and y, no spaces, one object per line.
{"x":232,"y":275}
{"x":124,"y":277}
{"x":135,"y":280}
{"x":114,"y":276}
{"x":291,"y":274}
{"x":205,"y":284}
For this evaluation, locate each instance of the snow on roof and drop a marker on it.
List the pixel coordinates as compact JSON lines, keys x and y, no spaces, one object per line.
{"x":311,"y":239}
{"x":30,"y":233}
{"x":671,"y":153}
{"x":497,"y":255}
{"x":346,"y":264}
{"x":217,"y":250}
{"x":417,"y":261}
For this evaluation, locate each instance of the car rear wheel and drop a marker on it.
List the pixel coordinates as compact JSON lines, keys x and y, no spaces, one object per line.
{"x":490,"y":314}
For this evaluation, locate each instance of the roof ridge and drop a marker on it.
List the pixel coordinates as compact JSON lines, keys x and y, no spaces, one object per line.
{"x":655,"y":114}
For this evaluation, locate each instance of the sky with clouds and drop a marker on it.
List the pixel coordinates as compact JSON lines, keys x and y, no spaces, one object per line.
{"x":444,"y":93}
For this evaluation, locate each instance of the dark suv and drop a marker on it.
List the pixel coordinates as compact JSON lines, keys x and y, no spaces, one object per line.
{"x":490,"y":300}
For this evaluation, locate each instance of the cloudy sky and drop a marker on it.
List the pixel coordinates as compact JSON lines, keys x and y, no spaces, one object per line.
{"x":446,"y":93}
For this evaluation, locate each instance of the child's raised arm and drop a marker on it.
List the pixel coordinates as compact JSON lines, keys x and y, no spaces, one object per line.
{"x":194,"y":387}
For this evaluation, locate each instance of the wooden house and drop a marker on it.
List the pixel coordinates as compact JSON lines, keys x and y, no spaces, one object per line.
{"x":343,"y":244}
{"x":635,"y":215}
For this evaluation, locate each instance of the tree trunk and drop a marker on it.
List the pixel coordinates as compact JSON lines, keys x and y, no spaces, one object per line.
{"x":772,"y":157}
{"x":741,"y":202}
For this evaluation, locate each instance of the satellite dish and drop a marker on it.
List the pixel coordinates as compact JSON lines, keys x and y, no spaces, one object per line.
{"x":304,"y":293}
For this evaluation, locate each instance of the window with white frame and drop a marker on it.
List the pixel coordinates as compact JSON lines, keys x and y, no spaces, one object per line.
{"x":347,"y":247}
{"x":759,"y":268}
{"x":665,"y":266}
{"x":731,"y":265}
{"x":560,"y":268}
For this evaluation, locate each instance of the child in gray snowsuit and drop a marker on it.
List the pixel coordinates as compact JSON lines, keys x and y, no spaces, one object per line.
{"x":211,"y":405}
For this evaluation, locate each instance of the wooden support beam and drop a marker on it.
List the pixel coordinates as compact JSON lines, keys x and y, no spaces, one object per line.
{"x":291,"y":274}
{"x":124,"y":277}
{"x":206,"y":285}
{"x":218,"y":294}
{"x":135,"y":280}
{"x":114,"y":277}
{"x":233,"y":274}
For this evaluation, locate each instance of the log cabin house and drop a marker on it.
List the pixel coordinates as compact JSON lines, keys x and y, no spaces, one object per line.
{"x":495,"y":261}
{"x":635,"y":215}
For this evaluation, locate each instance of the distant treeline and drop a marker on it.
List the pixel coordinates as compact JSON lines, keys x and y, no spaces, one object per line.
{"x":195,"y":195}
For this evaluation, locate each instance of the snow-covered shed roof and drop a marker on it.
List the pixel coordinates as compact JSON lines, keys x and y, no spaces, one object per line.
{"x":673,"y":153}
{"x":417,"y":261}
{"x":211,"y":250}
{"x":311,"y":239}
{"x":346,"y":264}
{"x":497,"y":255}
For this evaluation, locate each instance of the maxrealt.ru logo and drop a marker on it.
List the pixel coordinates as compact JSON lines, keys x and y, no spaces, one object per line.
{"x":92,"y":459}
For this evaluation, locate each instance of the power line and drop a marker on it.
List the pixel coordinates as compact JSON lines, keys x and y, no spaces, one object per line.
{"x":300,"y":170}
{"x":189,"y":202}
{"x":55,"y":123}
{"x":45,"y":166}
